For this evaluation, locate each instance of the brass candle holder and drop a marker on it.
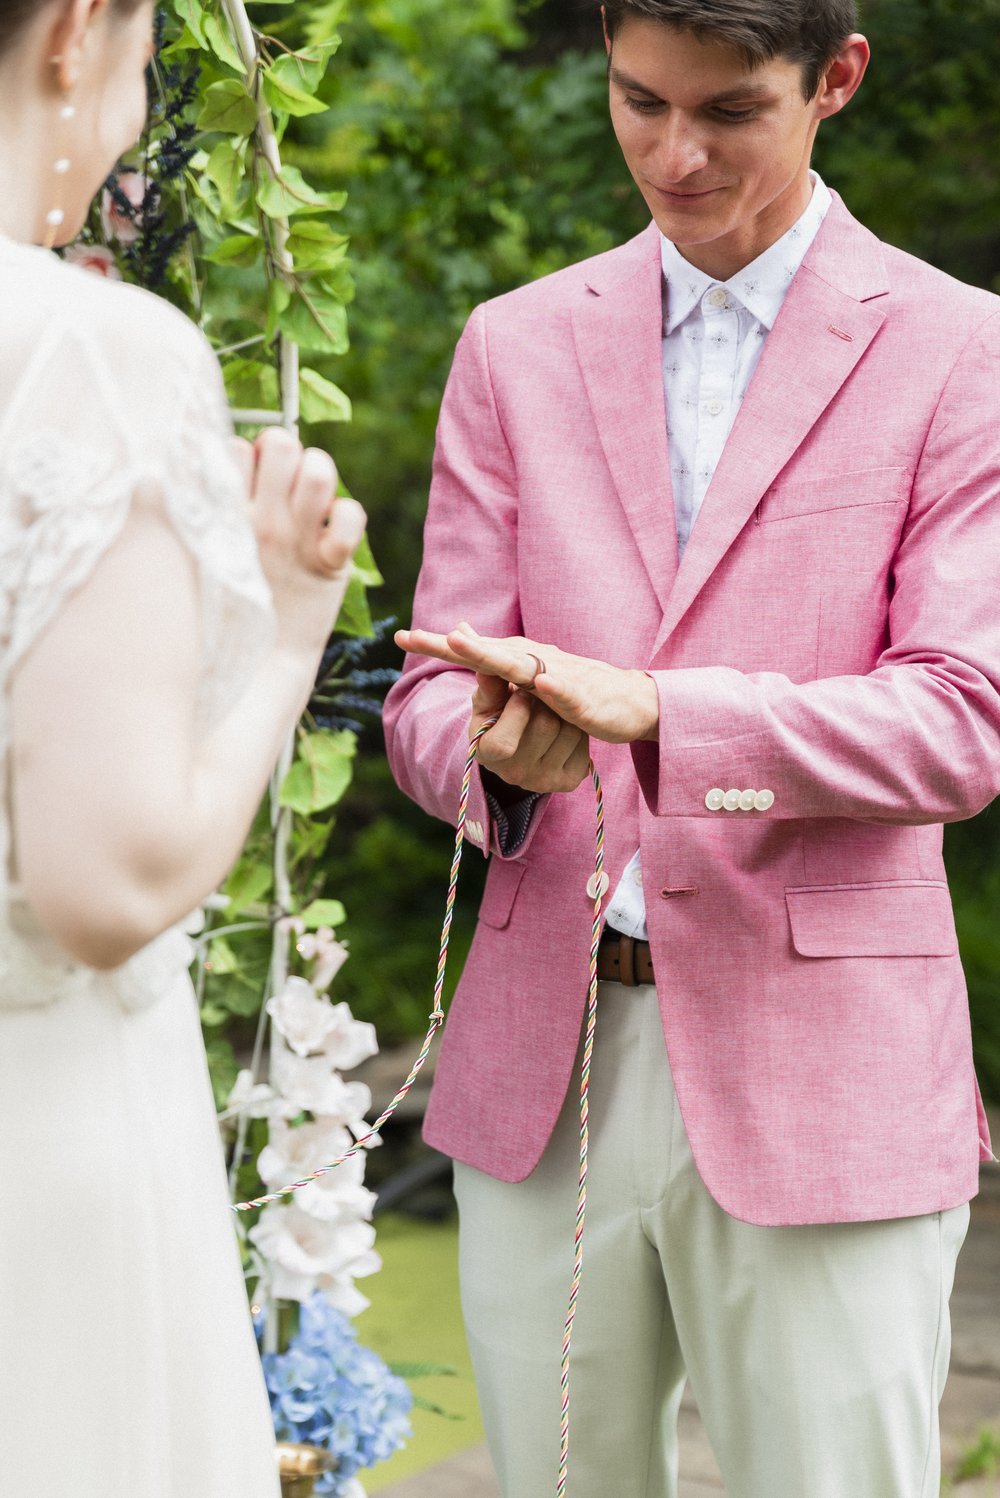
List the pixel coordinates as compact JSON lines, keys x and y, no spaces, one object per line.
{"x":299,"y":1467}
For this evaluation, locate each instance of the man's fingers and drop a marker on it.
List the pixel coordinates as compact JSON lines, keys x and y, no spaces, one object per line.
{"x":490,"y":696}
{"x":493,"y":657}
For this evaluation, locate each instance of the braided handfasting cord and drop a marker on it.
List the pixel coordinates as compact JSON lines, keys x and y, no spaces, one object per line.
{"x":434,"y":1024}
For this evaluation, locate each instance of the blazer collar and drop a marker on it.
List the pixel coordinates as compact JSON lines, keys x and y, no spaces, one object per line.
{"x":831,"y":315}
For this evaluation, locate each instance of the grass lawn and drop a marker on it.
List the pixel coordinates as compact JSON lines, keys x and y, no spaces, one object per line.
{"x":415,"y":1318}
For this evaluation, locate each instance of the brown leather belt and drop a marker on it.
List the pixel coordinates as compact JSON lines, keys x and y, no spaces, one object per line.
{"x":622,"y":959}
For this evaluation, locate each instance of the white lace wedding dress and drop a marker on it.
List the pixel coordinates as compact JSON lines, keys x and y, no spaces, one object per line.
{"x":127,"y":1362}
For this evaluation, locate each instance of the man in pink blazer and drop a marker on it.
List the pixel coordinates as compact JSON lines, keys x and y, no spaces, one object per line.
{"x":722,"y":506}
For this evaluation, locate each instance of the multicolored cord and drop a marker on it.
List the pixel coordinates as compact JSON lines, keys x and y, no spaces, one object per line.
{"x":437,"y":1013}
{"x":600,"y":888}
{"x":437,"y":1019}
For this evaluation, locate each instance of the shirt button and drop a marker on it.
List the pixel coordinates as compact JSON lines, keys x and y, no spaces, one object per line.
{"x":714,"y":408}
{"x":748,"y":800}
{"x":731,"y":801}
{"x":718,"y":297}
{"x":597,"y":888}
{"x":714,"y":799}
{"x":637,"y":877}
{"x":764,"y":800}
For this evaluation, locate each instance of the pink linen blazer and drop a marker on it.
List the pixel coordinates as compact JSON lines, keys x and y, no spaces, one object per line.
{"x":832,"y":636}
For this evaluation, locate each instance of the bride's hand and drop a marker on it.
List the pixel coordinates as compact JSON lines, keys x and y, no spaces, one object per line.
{"x":306,"y":535}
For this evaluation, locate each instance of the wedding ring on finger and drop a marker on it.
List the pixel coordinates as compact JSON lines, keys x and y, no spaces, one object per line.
{"x":539,"y":670}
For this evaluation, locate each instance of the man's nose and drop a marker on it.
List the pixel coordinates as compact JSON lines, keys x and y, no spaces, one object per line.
{"x":680,"y":149}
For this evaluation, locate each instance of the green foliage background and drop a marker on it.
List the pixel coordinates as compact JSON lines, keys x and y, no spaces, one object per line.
{"x":475,"y":142}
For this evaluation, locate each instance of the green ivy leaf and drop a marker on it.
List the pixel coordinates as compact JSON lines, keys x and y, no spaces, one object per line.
{"x":192,"y":13}
{"x":226,"y":167}
{"x":315,"y":246}
{"x":316,"y":319}
{"x":289,"y":193}
{"x":321,"y":399}
{"x":251,"y":384}
{"x":355,"y":612}
{"x":321,"y":773}
{"x":365,"y":566}
{"x":238,"y":249}
{"x":228,"y":108}
{"x":248,"y":884}
{"x":323,"y":913}
{"x":283,"y":90}
{"x":221,"y":43}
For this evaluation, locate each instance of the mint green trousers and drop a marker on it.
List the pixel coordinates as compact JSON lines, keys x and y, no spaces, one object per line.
{"x":817,"y":1355}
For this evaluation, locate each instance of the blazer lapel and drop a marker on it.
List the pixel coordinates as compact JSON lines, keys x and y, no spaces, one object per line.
{"x":618,"y":332}
{"x":827,"y":323}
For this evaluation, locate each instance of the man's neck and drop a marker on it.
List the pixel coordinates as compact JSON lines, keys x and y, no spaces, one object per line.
{"x":726,"y":257}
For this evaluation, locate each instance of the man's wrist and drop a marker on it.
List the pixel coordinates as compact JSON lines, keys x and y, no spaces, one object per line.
{"x":649,"y":703}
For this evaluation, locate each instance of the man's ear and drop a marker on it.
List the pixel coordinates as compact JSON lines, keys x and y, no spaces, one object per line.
{"x":843,"y":77}
{"x":604,"y":23}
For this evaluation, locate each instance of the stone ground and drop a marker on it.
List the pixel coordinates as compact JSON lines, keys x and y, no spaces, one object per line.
{"x":971,"y":1401}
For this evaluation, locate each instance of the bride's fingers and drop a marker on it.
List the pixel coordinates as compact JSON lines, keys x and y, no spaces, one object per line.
{"x":245,"y":460}
{"x":340,"y":538}
{"x":311,"y":495}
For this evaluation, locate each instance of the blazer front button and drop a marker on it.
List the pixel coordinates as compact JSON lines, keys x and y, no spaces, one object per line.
{"x":598,"y":888}
{"x":764,"y":800}
{"x":748,"y":800}
{"x":714,"y":799}
{"x":731,"y":801}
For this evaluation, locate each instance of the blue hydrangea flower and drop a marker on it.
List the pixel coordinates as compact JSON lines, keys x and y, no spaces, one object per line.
{"x":329,"y":1391}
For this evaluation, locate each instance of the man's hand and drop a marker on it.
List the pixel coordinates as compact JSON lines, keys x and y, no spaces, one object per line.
{"x":530,"y":746}
{"x":602,"y":701}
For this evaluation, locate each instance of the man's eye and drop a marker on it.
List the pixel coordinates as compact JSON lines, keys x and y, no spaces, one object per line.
{"x":736,"y":116}
{"x":643,"y":106}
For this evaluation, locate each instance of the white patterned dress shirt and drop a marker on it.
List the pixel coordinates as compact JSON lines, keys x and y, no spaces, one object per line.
{"x":713,"y":336}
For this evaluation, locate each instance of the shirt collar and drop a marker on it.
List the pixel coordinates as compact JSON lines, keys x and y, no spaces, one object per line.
{"x":760,"y":287}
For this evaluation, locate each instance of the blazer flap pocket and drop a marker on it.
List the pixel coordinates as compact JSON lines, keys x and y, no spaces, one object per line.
{"x":835,"y":491}
{"x":901,"y":918}
{"x":502,"y":885}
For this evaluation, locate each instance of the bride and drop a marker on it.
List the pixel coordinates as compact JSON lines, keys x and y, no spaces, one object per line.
{"x":154,"y":654}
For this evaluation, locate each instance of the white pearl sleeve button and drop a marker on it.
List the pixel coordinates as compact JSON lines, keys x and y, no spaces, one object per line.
{"x":714,"y":799}
{"x":764,"y":800}
{"x":731,"y":801}
{"x":748,"y":800}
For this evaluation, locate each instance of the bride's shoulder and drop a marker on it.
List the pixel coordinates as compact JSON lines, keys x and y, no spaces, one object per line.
{"x":141,"y":339}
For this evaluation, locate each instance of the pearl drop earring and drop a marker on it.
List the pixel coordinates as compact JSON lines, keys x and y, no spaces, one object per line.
{"x":56,"y":216}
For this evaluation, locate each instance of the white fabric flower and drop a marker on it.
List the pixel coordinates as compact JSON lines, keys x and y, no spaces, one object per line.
{"x":328,"y":954}
{"x":302,"y":1017}
{"x":256,"y":1100}
{"x":311,"y":1082}
{"x":306,"y":1254}
{"x":350,"y":1041}
{"x":292,"y":1154}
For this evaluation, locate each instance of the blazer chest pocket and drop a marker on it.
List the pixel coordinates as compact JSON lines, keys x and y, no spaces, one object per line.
{"x":837,"y":492}
{"x":502,"y":885}
{"x":893,"y":918}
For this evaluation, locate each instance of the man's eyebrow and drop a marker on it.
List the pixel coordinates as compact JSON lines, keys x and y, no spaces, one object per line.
{"x":744,"y":91}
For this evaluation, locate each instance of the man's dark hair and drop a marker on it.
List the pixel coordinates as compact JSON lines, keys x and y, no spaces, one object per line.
{"x":807,"y":32}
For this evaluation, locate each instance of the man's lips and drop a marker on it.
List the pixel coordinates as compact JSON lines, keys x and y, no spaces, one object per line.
{"x":681,"y":195}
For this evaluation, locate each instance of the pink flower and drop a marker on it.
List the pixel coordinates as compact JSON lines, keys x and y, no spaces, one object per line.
{"x":118,"y":223}
{"x":94,"y":257}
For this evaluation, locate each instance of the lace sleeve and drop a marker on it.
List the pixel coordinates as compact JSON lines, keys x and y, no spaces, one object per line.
{"x":68,"y":478}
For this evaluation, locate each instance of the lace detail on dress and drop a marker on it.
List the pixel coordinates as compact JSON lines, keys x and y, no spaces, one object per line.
{"x":66,"y":487}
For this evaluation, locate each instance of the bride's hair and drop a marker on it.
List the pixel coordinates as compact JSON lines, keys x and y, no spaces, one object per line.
{"x":15,"y":15}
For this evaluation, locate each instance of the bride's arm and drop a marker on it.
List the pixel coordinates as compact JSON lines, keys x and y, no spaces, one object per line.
{"x":123,"y":820}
